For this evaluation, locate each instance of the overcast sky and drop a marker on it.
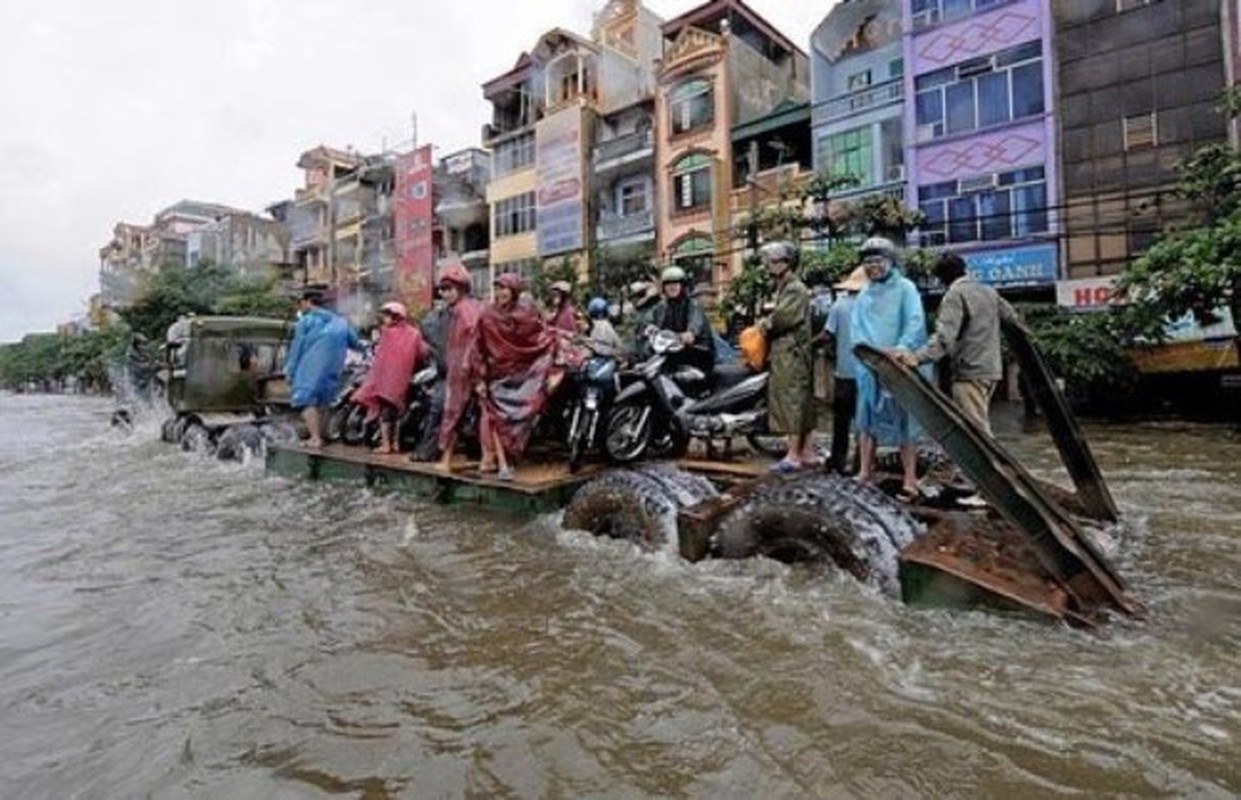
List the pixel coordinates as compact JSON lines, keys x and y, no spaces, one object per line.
{"x":112,"y":110}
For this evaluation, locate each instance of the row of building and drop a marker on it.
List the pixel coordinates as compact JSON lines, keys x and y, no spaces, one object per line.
{"x":1038,"y":137}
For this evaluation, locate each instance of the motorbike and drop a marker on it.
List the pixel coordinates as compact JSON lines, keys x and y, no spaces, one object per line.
{"x":667,"y":404}
{"x":343,"y":407}
{"x":593,"y":386}
{"x":358,"y":430}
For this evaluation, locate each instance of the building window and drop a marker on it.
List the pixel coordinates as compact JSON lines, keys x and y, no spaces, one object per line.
{"x":512,"y":155}
{"x":1141,"y":131}
{"x":526,"y":268}
{"x":981,"y":92}
{"x":691,"y":181}
{"x":1007,"y":205}
{"x":694,"y":256}
{"x":928,"y":13}
{"x":859,"y":80}
{"x":691,"y":105}
{"x":850,"y":153}
{"x":513,"y":215}
{"x":632,"y":197}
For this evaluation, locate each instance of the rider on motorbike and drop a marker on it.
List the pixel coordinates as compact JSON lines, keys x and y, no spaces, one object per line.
{"x":679,"y":313}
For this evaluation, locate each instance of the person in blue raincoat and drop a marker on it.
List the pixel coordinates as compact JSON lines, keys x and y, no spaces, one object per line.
{"x":316,"y":359}
{"x":888,"y":316}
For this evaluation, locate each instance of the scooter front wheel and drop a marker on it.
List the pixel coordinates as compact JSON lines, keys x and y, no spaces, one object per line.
{"x":627,"y":434}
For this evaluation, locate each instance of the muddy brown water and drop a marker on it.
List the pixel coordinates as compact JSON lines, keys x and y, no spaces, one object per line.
{"x":173,"y":627}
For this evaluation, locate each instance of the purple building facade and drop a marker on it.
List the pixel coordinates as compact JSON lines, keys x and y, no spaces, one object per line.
{"x":981,"y":144}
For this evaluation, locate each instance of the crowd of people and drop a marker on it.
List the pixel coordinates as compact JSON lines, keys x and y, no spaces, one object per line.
{"x":505,"y":359}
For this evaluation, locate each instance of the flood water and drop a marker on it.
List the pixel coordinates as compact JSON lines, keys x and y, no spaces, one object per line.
{"x":174,"y":627}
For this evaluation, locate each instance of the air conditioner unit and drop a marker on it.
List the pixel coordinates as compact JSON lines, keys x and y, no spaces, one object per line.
{"x":927,"y":132}
{"x":979,"y":184}
{"x":894,"y":173}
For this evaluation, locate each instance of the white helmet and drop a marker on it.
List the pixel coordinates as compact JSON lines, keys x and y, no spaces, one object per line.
{"x":879,"y":246}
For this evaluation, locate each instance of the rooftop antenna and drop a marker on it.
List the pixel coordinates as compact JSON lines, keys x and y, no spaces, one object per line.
{"x":413,"y":126}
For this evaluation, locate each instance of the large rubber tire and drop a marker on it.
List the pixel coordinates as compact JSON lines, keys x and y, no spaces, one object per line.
{"x":166,"y":430}
{"x":822,"y":519}
{"x":685,"y":488}
{"x":624,"y":505}
{"x":279,"y":432}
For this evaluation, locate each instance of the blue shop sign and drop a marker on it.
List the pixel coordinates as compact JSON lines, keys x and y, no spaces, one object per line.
{"x":1018,"y":266}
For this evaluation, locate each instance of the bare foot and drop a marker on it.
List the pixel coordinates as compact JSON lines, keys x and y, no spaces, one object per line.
{"x":314,"y":444}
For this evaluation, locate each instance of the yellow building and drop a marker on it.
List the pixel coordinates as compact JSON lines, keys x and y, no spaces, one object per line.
{"x":724,"y":67}
{"x":542,"y":136}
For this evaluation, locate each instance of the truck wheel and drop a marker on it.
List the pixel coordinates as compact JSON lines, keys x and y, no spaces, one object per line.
{"x":686,"y":488}
{"x":239,"y":442}
{"x":821,"y":519}
{"x":166,"y":430}
{"x":197,"y":439}
{"x":624,"y":505}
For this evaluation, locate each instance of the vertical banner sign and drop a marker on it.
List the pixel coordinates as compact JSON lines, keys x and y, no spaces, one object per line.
{"x":412,"y":217}
{"x":560,"y":198}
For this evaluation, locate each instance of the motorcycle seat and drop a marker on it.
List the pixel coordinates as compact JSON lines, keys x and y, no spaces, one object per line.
{"x":725,"y":375}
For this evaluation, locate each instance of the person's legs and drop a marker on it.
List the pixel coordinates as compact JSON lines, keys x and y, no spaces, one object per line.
{"x":450,"y":444}
{"x":909,"y":469}
{"x":866,"y":456}
{"x":387,"y":427}
{"x":314,"y":425}
{"x":973,"y":398}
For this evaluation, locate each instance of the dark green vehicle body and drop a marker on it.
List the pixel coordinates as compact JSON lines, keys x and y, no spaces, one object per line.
{"x":226,"y":365}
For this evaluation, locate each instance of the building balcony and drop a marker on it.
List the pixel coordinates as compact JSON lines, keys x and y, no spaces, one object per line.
{"x":612,"y":227}
{"x":311,"y":194}
{"x":461,"y":212}
{"x":304,"y":240}
{"x":627,"y":149}
{"x":872,"y":97}
{"x":471,"y":259}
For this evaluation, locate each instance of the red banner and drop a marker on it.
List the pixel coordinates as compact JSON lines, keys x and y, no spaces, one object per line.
{"x":412,"y":217}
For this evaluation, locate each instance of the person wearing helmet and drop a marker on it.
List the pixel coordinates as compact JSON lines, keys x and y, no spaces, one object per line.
{"x":513,"y":370}
{"x":790,"y":392}
{"x":676,"y":311}
{"x":383,"y":392}
{"x":602,"y":336}
{"x":888,"y":316}
{"x":315,"y":361}
{"x":563,"y":314}
{"x":457,"y":359}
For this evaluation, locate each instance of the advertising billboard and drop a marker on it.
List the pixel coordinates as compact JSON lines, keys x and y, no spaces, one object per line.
{"x":561,"y":194}
{"x":413,"y":213}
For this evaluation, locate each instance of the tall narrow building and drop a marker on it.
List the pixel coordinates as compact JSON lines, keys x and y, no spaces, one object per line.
{"x":723,"y":66}
{"x":1139,"y":83}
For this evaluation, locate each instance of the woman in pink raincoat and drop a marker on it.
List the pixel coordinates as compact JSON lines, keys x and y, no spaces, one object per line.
{"x":383,"y":393}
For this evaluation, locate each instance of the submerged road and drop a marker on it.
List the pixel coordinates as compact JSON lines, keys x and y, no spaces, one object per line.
{"x":175,"y":627}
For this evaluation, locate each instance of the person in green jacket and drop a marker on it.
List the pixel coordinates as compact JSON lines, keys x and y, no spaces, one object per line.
{"x":790,"y":392}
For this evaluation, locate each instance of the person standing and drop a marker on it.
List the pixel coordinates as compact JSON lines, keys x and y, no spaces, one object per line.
{"x":844,"y":370}
{"x":967,"y":331}
{"x":384,"y":390}
{"x":316,"y":359}
{"x":512,"y":371}
{"x":888,"y":316}
{"x":563,"y":312}
{"x":457,"y":358}
{"x":790,"y":391}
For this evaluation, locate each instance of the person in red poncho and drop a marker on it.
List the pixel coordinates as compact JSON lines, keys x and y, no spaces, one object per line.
{"x":458,"y":356}
{"x":512,"y":365}
{"x":400,"y":350}
{"x":563,"y":314}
